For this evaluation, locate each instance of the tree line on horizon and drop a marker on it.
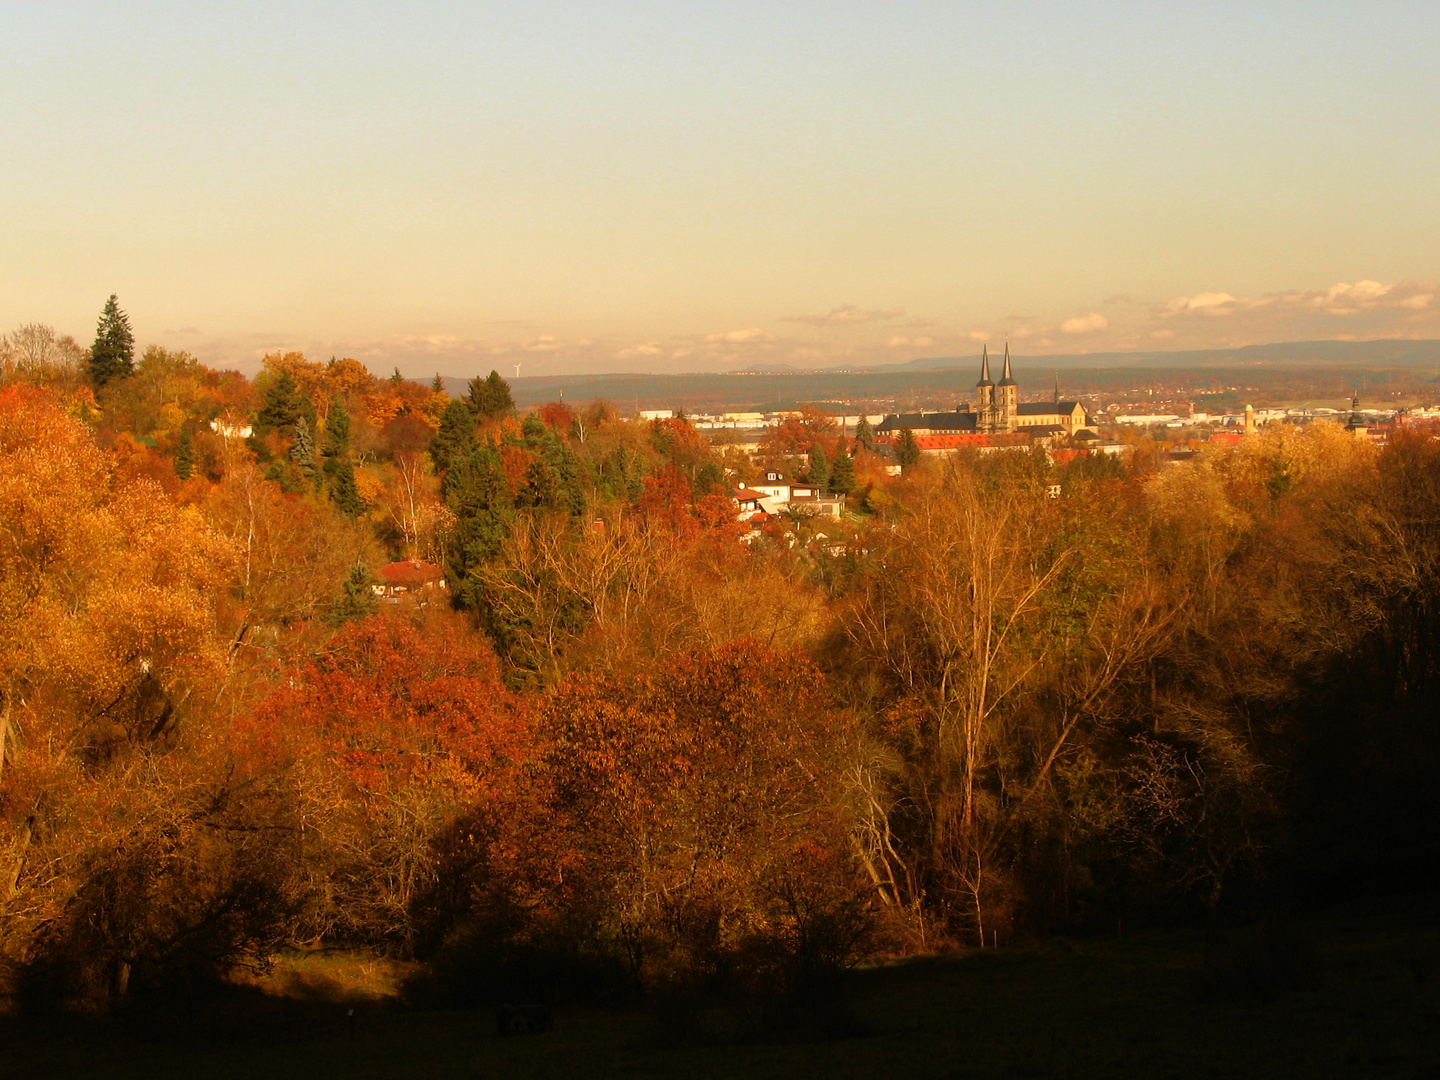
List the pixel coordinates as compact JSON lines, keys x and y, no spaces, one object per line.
{"x":630,"y":750}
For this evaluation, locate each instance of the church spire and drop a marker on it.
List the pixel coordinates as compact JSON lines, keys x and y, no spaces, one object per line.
{"x":984,"y":367}
{"x":1005,"y":379}
{"x":1057,"y":388}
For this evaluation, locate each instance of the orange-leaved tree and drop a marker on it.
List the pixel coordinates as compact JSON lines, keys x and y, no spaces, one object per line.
{"x":413,"y":762}
{"x":689,"y":796}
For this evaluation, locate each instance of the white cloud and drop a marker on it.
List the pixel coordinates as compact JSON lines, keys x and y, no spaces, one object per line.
{"x":1085,"y":324}
{"x":1341,"y":300}
{"x":752,"y":336}
{"x":846,"y":313}
{"x":635,"y":352}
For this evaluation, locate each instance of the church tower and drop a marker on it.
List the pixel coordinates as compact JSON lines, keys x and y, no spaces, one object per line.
{"x":1007,"y":394}
{"x":984,"y":394}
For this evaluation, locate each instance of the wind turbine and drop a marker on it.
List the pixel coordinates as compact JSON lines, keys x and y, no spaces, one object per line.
{"x":517,"y":371}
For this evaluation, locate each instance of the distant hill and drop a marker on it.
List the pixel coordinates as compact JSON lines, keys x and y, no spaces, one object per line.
{"x":1286,"y":368}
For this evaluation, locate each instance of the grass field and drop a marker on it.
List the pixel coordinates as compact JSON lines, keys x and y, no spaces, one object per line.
{"x":1355,"y":995}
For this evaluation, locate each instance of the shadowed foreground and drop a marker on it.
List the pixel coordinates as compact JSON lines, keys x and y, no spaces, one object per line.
{"x":1352,"y":995}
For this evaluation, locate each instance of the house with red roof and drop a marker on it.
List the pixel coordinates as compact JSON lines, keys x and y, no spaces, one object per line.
{"x":408,"y":578}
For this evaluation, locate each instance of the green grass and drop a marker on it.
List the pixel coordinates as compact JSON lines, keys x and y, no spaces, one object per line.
{"x":1355,"y":996}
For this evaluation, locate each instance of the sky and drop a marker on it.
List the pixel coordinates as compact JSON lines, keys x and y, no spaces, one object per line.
{"x":586,"y":187}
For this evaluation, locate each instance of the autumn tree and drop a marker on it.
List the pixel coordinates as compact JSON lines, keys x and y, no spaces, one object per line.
{"x":414,"y":757}
{"x":113,"y":642}
{"x":691,"y":795}
{"x":1004,"y":633}
{"x":36,"y":354}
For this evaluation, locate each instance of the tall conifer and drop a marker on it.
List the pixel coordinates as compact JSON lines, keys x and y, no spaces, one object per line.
{"x":907,"y":450}
{"x":819,"y":469}
{"x":842,"y":474}
{"x":185,"y":454}
{"x":864,"y":435}
{"x":113,"y":354}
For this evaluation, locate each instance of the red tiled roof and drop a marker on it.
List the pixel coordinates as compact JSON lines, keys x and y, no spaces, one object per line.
{"x":410,"y":572}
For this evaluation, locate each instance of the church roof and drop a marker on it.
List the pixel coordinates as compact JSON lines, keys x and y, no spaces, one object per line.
{"x":950,"y":421}
{"x":1046,"y":408}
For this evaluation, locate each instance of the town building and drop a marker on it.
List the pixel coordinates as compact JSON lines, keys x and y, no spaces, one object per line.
{"x":773,"y":491}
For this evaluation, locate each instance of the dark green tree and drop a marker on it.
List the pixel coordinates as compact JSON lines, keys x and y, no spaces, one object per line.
{"x":864,"y":435}
{"x":490,"y":396}
{"x":284,"y":405}
{"x":437,"y":384}
{"x":907,"y":450}
{"x":185,"y":454}
{"x":456,"y":437}
{"x":337,"y":431}
{"x":501,"y":403}
{"x":476,"y":492}
{"x":396,"y":379}
{"x":344,"y":491}
{"x":842,"y":474}
{"x":819,"y":469}
{"x":706,"y":479}
{"x":357,"y":598}
{"x":302,"y":449}
{"x":113,"y":354}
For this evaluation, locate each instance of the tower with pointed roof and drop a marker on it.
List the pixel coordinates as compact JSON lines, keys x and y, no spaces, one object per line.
{"x":985,"y":394}
{"x":1007,"y":398}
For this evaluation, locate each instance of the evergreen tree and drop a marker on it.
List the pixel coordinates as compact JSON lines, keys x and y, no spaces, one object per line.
{"x":397,"y":378}
{"x":907,"y":450}
{"x":842,"y":474}
{"x":477,"y":493}
{"x":344,"y":491}
{"x":337,"y":430}
{"x":185,"y":454}
{"x":437,"y":384}
{"x":819,"y":469}
{"x":490,"y":396}
{"x":864,"y":435}
{"x":302,"y":449}
{"x":477,"y":398}
{"x":357,"y":598}
{"x":113,"y":354}
{"x":534,"y":432}
{"x":283,"y":406}
{"x":500,"y":400}
{"x":456,"y":437}
{"x":706,"y":477}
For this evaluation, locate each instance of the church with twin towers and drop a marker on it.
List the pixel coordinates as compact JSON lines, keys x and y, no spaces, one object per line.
{"x":996,"y":410}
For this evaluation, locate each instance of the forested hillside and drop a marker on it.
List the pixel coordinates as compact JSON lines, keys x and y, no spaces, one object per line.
{"x":630,"y":746}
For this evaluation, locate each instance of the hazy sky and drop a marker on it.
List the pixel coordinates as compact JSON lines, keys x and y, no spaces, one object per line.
{"x":688,"y":186}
